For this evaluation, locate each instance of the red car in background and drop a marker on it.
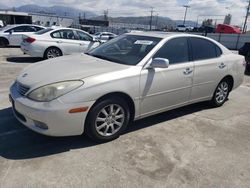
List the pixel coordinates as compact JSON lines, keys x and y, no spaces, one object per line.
{"x":227,"y":29}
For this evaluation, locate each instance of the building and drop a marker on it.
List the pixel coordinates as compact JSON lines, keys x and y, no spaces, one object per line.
{"x":12,"y":17}
{"x":48,"y":19}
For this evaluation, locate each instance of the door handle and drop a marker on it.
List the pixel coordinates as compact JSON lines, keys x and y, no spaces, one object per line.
{"x":59,"y":41}
{"x":187,"y":71}
{"x":222,"y":66}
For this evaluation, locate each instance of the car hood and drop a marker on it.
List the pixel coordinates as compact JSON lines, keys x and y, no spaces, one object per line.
{"x":72,"y":67}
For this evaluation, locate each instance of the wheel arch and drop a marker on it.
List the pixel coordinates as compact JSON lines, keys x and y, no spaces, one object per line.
{"x":230,"y":79}
{"x":5,"y":39}
{"x":122,"y":95}
{"x":52,"y":47}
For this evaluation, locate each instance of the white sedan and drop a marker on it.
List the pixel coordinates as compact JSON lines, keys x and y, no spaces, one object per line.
{"x":13,"y":34}
{"x":128,"y":78}
{"x":104,"y":36}
{"x":54,"y":42}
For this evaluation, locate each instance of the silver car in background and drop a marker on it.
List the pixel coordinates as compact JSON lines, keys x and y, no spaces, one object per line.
{"x":58,"y":41}
{"x":12,"y":35}
{"x":128,"y":78}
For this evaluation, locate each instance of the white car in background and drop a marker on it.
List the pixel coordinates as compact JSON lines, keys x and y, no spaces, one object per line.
{"x":54,"y":42}
{"x":104,"y":36}
{"x":12,"y":35}
{"x":184,"y":28}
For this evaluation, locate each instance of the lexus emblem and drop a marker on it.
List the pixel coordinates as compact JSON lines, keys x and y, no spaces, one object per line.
{"x":24,"y":75}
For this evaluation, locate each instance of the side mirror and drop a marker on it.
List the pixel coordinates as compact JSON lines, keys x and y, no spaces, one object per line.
{"x":159,"y":63}
{"x":11,"y":31}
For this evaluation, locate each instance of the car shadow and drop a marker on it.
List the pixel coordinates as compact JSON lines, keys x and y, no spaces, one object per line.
{"x":24,"y":59}
{"x":18,"y":142}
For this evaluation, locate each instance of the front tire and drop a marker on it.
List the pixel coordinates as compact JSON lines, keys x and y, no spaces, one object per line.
{"x":52,"y":52}
{"x":221,"y":93}
{"x":107,"y":119}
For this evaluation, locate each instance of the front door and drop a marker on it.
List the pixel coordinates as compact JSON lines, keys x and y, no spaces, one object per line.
{"x":163,"y":89}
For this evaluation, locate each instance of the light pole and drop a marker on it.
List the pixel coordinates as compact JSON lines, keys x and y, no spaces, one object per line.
{"x":186,"y":6}
{"x":245,"y":23}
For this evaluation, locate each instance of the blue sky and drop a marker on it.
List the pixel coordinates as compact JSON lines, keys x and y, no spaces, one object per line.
{"x":169,"y":8}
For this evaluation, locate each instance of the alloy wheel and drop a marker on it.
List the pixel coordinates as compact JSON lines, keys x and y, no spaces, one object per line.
{"x":110,"y":120}
{"x":222,"y":92}
{"x":52,"y":53}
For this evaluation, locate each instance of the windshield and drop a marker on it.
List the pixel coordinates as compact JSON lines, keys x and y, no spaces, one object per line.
{"x":43,"y":31}
{"x":126,"y":49}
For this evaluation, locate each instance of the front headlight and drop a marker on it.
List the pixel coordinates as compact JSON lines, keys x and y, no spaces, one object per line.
{"x":52,"y":91}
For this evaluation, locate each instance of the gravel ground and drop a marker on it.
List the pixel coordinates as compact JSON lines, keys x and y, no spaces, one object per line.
{"x":194,"y":146}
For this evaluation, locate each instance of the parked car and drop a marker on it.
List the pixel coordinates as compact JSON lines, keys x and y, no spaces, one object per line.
{"x":58,"y":41}
{"x":13,"y":34}
{"x":128,"y":78}
{"x":104,"y":36}
{"x":245,"y":51}
{"x":227,"y":29}
{"x":183,"y":28}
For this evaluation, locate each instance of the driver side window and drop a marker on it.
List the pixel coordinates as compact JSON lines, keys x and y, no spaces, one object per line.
{"x":175,"y":50}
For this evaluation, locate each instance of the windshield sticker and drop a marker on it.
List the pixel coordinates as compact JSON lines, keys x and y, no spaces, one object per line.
{"x":144,"y":42}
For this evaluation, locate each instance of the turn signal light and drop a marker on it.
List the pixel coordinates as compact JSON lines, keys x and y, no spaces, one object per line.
{"x":77,"y":110}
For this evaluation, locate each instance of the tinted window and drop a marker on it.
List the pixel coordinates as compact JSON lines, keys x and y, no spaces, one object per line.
{"x":18,"y":29}
{"x":38,"y":28}
{"x":56,"y":34}
{"x":30,"y":29}
{"x":43,"y":31}
{"x":64,"y":34}
{"x":83,"y":36}
{"x":218,"y":51}
{"x":175,"y":50}
{"x":203,"y":49}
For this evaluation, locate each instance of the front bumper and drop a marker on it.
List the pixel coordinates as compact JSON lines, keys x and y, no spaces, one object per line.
{"x":55,"y":115}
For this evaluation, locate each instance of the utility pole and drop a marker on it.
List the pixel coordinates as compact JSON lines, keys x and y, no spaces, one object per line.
{"x":106,"y":12}
{"x":156,"y":22}
{"x":151,"y":17}
{"x":186,"y":6}
{"x":245,"y":23}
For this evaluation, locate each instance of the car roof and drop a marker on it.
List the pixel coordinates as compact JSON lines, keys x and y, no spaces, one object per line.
{"x":158,"y":34}
{"x":17,"y":25}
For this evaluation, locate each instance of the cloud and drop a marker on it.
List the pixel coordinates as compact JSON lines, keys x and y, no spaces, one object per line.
{"x":200,"y":9}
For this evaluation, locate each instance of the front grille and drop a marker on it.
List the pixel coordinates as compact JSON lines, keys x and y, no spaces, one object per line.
{"x":21,"y":89}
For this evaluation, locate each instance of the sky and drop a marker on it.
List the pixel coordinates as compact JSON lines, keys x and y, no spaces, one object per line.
{"x":199,"y":9}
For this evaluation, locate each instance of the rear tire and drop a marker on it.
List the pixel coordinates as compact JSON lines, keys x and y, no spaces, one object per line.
{"x":247,"y":58}
{"x":3,"y":42}
{"x":52,"y":52}
{"x":107,"y":119}
{"x":221,"y":93}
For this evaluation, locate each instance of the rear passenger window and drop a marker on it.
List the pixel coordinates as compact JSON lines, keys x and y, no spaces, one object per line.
{"x":204,"y":49}
{"x":175,"y":50}
{"x":64,"y":34}
{"x":56,"y":34}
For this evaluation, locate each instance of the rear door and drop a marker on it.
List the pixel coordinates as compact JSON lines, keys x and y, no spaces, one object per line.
{"x":66,"y":40}
{"x":210,"y":68}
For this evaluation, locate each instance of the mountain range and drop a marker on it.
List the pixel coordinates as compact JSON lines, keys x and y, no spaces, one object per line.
{"x":74,"y":13}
